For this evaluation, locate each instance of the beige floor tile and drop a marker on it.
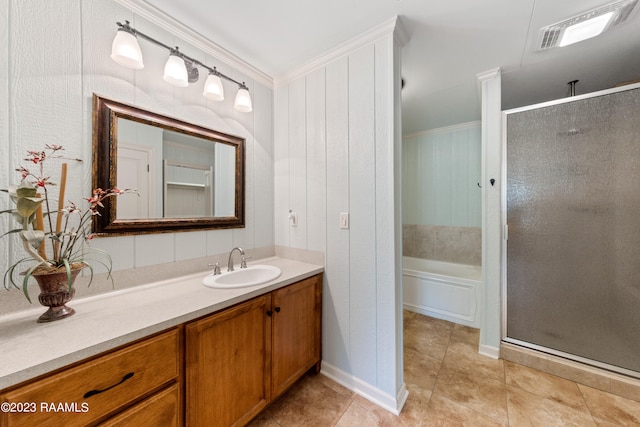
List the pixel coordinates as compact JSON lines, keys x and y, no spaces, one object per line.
{"x":443,"y":412}
{"x":428,"y":336}
{"x":420,"y":369}
{"x":528,"y":409}
{"x":466,"y":334}
{"x":545,"y":385}
{"x":357,"y":416}
{"x":611,"y":408}
{"x":313,"y":401}
{"x":450,"y":384}
{"x":482,"y":394}
{"x":411,"y":416}
{"x":464,"y":356}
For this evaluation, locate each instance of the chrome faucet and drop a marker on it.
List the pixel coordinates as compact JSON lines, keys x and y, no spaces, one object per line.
{"x":230,"y":263}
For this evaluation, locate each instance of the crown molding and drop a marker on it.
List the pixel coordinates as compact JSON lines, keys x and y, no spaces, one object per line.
{"x":391,"y":26}
{"x":166,"y":22}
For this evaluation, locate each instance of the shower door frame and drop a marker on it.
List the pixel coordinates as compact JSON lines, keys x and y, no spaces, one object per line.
{"x":505,"y":233}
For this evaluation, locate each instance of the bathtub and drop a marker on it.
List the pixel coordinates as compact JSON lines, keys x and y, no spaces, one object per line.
{"x":443,"y":290}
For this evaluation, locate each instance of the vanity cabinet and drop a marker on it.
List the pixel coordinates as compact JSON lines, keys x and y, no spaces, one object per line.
{"x":227,"y":365}
{"x":219,"y":370}
{"x":138,"y":383}
{"x":296,"y":329}
{"x":240,"y":359}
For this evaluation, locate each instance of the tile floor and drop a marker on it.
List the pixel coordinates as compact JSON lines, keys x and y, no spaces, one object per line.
{"x":450,"y":384}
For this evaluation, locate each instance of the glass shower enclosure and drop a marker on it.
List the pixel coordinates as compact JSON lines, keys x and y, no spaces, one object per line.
{"x":573,"y":213}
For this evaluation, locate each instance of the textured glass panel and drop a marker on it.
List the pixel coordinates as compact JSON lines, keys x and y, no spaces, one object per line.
{"x":573,"y":209}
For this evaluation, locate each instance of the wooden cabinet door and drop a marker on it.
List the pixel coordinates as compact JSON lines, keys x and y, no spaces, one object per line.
{"x":227,"y":365}
{"x":296,"y":334}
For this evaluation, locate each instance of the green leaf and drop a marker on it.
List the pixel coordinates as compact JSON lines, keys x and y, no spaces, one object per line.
{"x":27,"y":206}
{"x":26,"y":191}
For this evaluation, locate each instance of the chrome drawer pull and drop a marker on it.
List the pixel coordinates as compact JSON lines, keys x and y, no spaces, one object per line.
{"x":94,"y":392}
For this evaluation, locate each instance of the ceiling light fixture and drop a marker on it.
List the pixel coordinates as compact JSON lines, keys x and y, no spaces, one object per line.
{"x":179,"y":70}
{"x":586,"y":25}
{"x":585,"y":30}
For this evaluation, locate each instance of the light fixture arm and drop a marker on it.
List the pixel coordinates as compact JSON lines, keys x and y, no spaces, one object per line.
{"x":175,"y":51}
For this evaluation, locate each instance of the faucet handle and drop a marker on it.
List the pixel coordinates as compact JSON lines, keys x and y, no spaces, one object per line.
{"x":243,"y":262}
{"x":216,"y":268}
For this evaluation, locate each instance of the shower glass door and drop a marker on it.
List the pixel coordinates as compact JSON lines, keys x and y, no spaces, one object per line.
{"x":573,"y":215}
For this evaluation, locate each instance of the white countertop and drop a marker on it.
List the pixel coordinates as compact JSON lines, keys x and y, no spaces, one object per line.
{"x":101,"y":323}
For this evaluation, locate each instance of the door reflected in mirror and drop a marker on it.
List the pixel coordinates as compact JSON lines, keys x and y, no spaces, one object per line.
{"x":186,"y":176}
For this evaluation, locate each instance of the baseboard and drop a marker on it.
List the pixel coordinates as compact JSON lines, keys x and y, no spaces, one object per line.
{"x":489,"y":351}
{"x":372,"y":394}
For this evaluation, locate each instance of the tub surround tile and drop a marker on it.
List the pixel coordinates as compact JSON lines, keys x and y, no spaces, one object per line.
{"x":461,"y":245}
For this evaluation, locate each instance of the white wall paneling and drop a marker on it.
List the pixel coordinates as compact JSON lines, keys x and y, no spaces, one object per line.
{"x":316,"y":161}
{"x":48,"y":78}
{"x":6,"y":149}
{"x":342,"y":134}
{"x":362,"y":248}
{"x":440,"y":176}
{"x":298,"y":162}
{"x":281,"y":165}
{"x":335,"y":308}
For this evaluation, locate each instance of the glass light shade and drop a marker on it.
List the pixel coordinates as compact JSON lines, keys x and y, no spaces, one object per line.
{"x":243,"y":101}
{"x":175,"y":71}
{"x":213,"y":88}
{"x":125,"y":50}
{"x":585,"y":30}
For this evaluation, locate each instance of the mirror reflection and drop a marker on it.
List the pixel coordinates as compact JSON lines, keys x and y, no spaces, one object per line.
{"x":176,"y":175}
{"x":187,"y":177}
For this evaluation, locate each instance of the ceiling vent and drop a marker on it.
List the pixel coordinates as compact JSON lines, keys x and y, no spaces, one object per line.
{"x":552,"y":35}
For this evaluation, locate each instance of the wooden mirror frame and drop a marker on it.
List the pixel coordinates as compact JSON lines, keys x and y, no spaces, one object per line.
{"x":106,"y":113}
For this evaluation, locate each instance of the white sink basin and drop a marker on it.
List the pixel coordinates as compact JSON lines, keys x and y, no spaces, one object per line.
{"x":241,"y":277}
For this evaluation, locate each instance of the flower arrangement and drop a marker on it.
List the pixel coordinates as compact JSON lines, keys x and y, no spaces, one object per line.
{"x":34,"y":211}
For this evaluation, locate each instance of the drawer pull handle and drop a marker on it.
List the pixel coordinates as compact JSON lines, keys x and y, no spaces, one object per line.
{"x":269,"y":313}
{"x":94,"y":392}
{"x":277,"y":309}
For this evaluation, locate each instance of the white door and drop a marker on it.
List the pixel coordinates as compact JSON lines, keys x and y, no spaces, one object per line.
{"x":134,"y":173}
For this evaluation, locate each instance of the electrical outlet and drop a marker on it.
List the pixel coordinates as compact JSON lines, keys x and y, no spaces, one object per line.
{"x":293,"y":219}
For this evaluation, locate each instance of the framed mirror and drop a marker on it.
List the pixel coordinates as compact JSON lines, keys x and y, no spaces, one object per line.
{"x":187,"y":177}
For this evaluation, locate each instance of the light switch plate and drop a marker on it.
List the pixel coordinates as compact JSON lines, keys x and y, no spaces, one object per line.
{"x":344,"y":220}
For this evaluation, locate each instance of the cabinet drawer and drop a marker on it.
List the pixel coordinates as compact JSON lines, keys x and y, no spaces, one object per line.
{"x":161,"y":409}
{"x":90,"y":391}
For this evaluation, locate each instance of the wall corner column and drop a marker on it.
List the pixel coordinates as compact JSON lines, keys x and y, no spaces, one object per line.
{"x":491,"y":92}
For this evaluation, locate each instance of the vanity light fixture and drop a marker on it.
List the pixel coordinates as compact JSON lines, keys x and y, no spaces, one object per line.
{"x":213,"y":86}
{"x":586,"y":25}
{"x":125,"y":49}
{"x":243,"y":100}
{"x":179,"y":70}
{"x":175,"y":70}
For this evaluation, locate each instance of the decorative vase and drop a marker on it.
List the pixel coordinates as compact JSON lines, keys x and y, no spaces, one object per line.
{"x":55,"y":292}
